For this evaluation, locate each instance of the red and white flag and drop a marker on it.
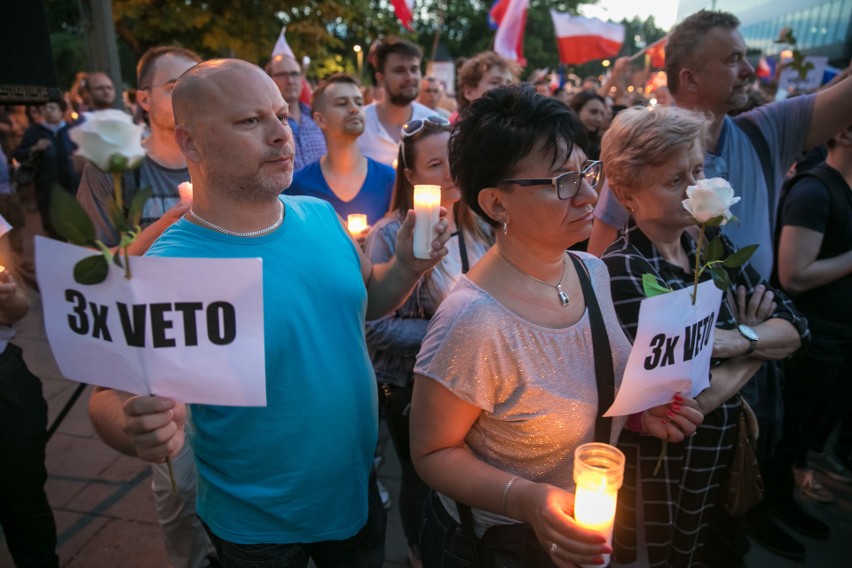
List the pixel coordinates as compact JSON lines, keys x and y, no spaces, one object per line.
{"x":509,"y":41}
{"x":585,"y":39}
{"x":405,"y":12}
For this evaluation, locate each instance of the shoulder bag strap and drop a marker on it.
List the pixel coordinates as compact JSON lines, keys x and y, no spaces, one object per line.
{"x":604,"y":374}
{"x":463,"y":252}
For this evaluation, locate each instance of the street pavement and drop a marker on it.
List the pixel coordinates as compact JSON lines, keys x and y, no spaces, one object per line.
{"x":105,"y":514}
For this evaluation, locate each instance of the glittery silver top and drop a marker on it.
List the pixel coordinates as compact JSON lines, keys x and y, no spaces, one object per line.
{"x":535,"y":385}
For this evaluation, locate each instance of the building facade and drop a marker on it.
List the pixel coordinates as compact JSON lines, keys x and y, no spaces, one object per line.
{"x":821,"y":27}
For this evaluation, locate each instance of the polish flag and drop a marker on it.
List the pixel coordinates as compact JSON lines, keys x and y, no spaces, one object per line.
{"x":585,"y":39}
{"x":404,"y":11}
{"x":509,"y":40}
{"x":656,"y":53}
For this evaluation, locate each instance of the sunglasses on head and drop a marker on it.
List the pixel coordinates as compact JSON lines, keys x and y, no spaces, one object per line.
{"x":412,"y":127}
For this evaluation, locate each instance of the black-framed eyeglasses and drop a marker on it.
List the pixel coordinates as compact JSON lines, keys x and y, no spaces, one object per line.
{"x":568,"y":184}
{"x":413,"y":127}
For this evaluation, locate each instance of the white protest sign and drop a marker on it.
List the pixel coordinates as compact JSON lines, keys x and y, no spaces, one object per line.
{"x":671,"y":352}
{"x":789,"y":78}
{"x":190,"y":329}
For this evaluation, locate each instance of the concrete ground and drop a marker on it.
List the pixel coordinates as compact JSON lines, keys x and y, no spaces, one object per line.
{"x":105,"y":514}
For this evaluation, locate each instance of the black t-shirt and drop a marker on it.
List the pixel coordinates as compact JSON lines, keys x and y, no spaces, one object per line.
{"x":809,"y":204}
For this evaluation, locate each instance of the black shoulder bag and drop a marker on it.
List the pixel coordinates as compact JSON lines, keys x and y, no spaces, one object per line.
{"x":515,"y":545}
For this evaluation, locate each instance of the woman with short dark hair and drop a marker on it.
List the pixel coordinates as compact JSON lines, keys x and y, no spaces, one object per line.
{"x":505,"y":383}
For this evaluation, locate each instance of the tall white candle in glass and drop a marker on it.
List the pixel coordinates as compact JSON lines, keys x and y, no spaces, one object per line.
{"x":427,"y":210}
{"x":598,"y":474}
{"x":357,"y":223}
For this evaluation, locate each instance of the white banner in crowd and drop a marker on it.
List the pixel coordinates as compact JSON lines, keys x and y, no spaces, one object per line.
{"x":789,"y":78}
{"x":672,"y":350}
{"x":190,"y":329}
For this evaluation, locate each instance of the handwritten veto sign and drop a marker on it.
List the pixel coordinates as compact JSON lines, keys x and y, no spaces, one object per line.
{"x":672,"y":349}
{"x":190,"y":329}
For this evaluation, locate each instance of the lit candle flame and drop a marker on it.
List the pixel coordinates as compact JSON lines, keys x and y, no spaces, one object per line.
{"x":357,"y":223}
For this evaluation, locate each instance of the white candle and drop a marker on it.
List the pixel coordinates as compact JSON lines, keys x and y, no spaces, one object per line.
{"x":598,"y":474}
{"x":185,"y":192}
{"x":357,"y":223}
{"x":427,"y":210}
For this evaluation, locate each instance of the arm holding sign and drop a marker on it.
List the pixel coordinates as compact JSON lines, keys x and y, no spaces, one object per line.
{"x":148,"y":427}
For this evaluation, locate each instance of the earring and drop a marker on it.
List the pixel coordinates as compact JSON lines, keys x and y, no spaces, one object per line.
{"x":505,"y":227}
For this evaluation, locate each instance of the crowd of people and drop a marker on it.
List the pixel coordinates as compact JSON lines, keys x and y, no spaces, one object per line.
{"x":484,"y":360}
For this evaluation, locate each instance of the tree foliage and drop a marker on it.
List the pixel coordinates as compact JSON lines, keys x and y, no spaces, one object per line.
{"x":324,"y":30}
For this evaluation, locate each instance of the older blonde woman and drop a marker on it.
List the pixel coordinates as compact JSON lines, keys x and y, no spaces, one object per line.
{"x":651,"y":157}
{"x":505,"y":383}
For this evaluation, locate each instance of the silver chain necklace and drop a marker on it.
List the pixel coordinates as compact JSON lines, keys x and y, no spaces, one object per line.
{"x":563,"y":297}
{"x":257,"y":233}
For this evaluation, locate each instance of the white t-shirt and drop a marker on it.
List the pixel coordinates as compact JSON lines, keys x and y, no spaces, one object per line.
{"x":376,"y":143}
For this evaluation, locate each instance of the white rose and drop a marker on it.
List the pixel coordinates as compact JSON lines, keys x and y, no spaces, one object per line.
{"x":710,"y":198}
{"x":109,"y":140}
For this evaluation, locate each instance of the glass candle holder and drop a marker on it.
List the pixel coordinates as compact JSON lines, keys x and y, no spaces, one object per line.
{"x":598,"y":475}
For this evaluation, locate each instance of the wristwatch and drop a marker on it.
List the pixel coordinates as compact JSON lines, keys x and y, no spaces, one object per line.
{"x":749,"y":334}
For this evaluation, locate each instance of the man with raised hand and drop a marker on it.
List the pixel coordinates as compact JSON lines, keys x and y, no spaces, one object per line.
{"x":292,"y":480}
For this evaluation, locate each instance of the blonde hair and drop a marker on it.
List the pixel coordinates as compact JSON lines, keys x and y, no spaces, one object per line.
{"x":640,"y":138}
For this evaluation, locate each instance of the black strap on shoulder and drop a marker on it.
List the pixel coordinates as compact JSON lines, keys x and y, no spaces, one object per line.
{"x":604,"y":375}
{"x":463,"y":252}
{"x":603,"y":353}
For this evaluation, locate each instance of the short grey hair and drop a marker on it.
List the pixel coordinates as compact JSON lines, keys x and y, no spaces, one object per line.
{"x":641,"y":137}
{"x":686,"y":39}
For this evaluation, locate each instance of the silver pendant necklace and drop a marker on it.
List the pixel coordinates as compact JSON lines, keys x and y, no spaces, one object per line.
{"x":563,"y":297}
{"x":225,"y":231}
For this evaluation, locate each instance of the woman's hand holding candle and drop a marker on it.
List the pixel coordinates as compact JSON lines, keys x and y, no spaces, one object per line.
{"x":549,"y":510}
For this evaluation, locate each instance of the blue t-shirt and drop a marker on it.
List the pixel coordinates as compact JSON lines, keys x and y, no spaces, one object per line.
{"x":373,"y":198}
{"x":785,"y":127}
{"x":298,"y":469}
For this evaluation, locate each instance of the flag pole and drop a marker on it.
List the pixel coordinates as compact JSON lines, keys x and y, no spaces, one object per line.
{"x":636,"y":55}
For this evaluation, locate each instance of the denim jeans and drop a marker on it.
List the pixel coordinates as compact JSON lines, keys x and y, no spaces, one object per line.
{"x":442,"y":542}
{"x":413,"y":492}
{"x":25,"y":514}
{"x":364,"y":550}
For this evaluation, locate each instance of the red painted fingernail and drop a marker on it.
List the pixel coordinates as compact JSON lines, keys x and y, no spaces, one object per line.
{"x":664,"y":420}
{"x":669,"y":413}
{"x":678,"y":397}
{"x":675,"y":406}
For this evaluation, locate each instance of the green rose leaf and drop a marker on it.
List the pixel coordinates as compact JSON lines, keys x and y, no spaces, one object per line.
{"x":740,"y":257}
{"x":715,"y":221}
{"x":91,"y":270}
{"x":652,"y":287}
{"x":69,"y":219}
{"x":117,"y":163}
{"x":134,"y":214}
{"x":714,"y":250}
{"x":720,"y":277}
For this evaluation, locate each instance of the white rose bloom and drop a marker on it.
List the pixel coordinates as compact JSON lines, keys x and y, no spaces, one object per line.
{"x":710,"y":198}
{"x":109,"y":133}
